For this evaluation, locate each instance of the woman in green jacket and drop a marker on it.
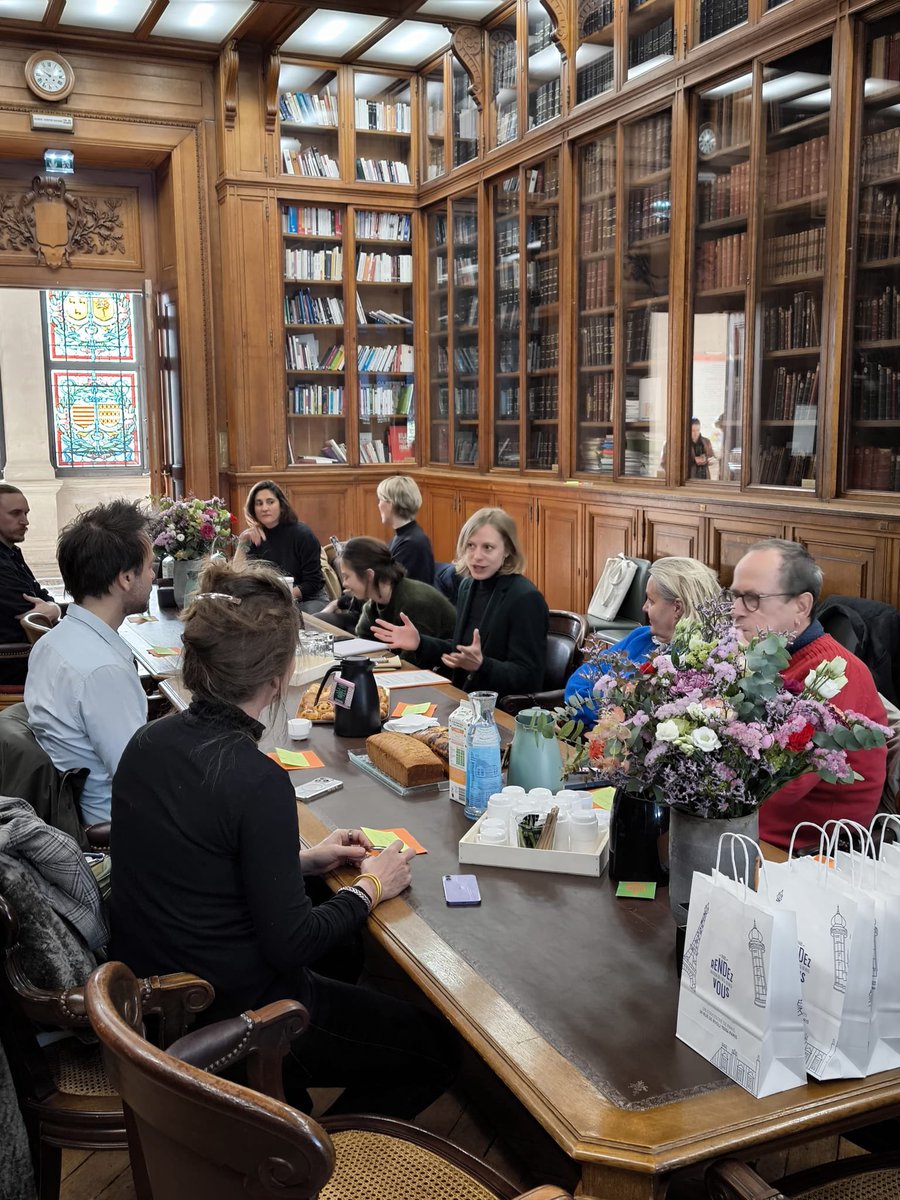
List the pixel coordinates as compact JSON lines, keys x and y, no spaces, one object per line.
{"x":371,"y":575}
{"x":499,"y":643}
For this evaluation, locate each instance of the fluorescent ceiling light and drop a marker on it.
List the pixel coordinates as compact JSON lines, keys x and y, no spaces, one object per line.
{"x":294,"y":78}
{"x":23,"y":10}
{"x":877,"y":87}
{"x":795,"y":83}
{"x":409,"y":44}
{"x":123,"y":16}
{"x":820,"y":99}
{"x":461,"y":10}
{"x":201,"y":22}
{"x":588,"y":53}
{"x":741,"y":83}
{"x":331,"y":33}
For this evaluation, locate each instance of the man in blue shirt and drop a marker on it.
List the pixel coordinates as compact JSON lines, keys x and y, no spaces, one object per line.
{"x":20,"y":592}
{"x":83,"y":695}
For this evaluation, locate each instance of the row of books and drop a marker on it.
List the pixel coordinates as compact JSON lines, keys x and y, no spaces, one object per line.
{"x":385,"y":358}
{"x":660,"y":40}
{"x":794,"y":394}
{"x":727,"y":195}
{"x":637,"y":335}
{"x":597,"y":454}
{"x":649,"y":212}
{"x":881,"y":154}
{"x":309,"y":221}
{"x":875,"y":468}
{"x":384,"y":267}
{"x":383,"y":116}
{"x":597,"y":17}
{"x":465,"y":359}
{"x":797,"y":171}
{"x":465,"y":271}
{"x":543,"y":181}
{"x":309,"y":108}
{"x":722,"y":263}
{"x":465,"y":402}
{"x":301,"y":352}
{"x":542,"y":232}
{"x":382,"y":170}
{"x":385,"y":400}
{"x":650,"y":145}
{"x":467,"y":311}
{"x":542,"y":352}
{"x":311,"y":163}
{"x":435,"y":165}
{"x":304,"y":308}
{"x":398,"y":446}
{"x":778,"y":466}
{"x":465,"y":448}
{"x":465,"y":120}
{"x":718,"y":15}
{"x":543,"y":400}
{"x":540,"y":37}
{"x":507,"y":126}
{"x":598,"y":167}
{"x":730,"y":116}
{"x":508,"y":453}
{"x":795,"y":254}
{"x":335,"y":450}
{"x":316,"y":400}
{"x":879,"y":227}
{"x":878,"y":315}
{"x":506,"y":279}
{"x":300,"y":262}
{"x":508,"y":401}
{"x":598,"y":398}
{"x":465,"y":230}
{"x":380,"y":316}
{"x":884,"y":57}
{"x":508,"y":354}
{"x":594,"y":77}
{"x":440,"y":400}
{"x":597,"y":336}
{"x":876,"y":391}
{"x":544,"y":102}
{"x":543,"y":450}
{"x":383,"y":226}
{"x":597,"y":227}
{"x":434,"y":119}
{"x":598,"y":283}
{"x":503,"y":59}
{"x":544,"y":283}
{"x":508,"y":314}
{"x":794,"y":325}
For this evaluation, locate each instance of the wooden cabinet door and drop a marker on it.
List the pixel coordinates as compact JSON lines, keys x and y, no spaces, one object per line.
{"x":730,"y":538}
{"x":851,"y":561}
{"x":444,"y":523}
{"x":560,"y":558}
{"x":608,"y":531}
{"x":665,"y":535}
{"x":521,"y":509}
{"x":368,"y":521}
{"x":325,"y":510}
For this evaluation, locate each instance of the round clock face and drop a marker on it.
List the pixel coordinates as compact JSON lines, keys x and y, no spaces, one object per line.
{"x":49,"y":76}
{"x":707,"y":142}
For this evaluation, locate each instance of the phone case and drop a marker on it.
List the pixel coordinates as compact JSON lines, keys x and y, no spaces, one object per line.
{"x":314,"y":788}
{"x":461,"y":891}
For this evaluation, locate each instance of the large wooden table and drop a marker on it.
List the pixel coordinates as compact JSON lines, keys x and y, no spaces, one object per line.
{"x":570,"y":996}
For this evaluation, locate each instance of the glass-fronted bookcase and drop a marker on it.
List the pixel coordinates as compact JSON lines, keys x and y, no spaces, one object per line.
{"x":453,"y":331}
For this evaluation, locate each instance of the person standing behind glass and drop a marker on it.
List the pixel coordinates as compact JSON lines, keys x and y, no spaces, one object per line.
{"x":399,"y":500}
{"x":275,"y":533}
{"x":499,"y":643}
{"x":700,"y":452}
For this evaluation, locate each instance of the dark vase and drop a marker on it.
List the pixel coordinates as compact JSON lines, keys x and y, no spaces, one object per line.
{"x":638,"y":839}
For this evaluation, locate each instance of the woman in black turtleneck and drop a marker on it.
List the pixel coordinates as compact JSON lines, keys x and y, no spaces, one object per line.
{"x":276,"y":534}
{"x":500,"y":640}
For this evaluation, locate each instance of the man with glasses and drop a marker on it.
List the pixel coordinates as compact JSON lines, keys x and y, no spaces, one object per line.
{"x":775,"y":589}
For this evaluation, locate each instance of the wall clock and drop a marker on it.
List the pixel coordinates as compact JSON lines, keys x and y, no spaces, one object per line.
{"x":49,"y":75}
{"x":707,"y":140}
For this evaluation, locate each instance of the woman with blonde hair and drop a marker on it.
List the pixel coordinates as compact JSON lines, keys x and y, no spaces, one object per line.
{"x":499,"y":643}
{"x":399,"y":500}
{"x":676,"y":587}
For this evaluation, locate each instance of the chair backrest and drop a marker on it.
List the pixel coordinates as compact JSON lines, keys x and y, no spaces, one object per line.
{"x":26,"y":771}
{"x":35,"y":625}
{"x":191,"y":1133}
{"x":632,"y":608}
{"x":332,"y":582}
{"x":567,"y":631}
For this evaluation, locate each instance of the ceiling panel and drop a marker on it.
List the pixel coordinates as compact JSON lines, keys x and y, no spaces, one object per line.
{"x":200,"y":22}
{"x":23,"y":10}
{"x":331,"y":33}
{"x":461,"y":10}
{"x":409,"y":44}
{"x":123,"y":16}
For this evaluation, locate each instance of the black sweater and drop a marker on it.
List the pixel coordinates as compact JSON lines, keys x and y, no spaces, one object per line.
{"x":208,"y":877}
{"x":411,"y":546}
{"x":296,"y":550}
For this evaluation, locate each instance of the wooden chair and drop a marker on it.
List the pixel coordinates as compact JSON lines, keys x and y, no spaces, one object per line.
{"x":863,"y":1177}
{"x":63,"y":1090}
{"x":564,"y":642}
{"x":13,"y":665}
{"x":193,"y":1136}
{"x":35,"y":626}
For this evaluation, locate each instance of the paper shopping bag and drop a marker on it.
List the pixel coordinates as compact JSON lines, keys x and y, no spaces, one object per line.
{"x":739,"y":1003}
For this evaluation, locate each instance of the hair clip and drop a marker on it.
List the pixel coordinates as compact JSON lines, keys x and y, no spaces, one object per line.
{"x":217,"y":596}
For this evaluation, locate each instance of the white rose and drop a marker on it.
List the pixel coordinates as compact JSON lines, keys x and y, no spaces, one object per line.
{"x":667,"y":731}
{"x":837,"y":667}
{"x":179,"y":537}
{"x":705,"y":739}
{"x":829,"y":688}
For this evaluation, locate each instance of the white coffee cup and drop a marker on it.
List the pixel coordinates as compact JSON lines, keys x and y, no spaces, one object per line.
{"x":299,"y":728}
{"x":582,"y":830}
{"x":493,"y":832}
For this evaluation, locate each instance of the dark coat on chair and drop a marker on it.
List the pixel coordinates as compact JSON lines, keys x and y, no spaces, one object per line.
{"x":513,"y":635}
{"x":27,"y":772}
{"x":871,"y":631}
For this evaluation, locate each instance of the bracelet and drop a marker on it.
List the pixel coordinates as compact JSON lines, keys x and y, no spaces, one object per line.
{"x":376,"y":884}
{"x":356,"y":891}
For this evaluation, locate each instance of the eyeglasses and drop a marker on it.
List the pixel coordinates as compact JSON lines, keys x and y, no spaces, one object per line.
{"x":751,"y":600}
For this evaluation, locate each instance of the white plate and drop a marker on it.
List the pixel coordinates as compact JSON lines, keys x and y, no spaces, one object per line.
{"x":414,"y":724}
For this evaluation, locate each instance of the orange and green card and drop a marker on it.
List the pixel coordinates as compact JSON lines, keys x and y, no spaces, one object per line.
{"x":381,"y":838}
{"x":414,"y":710}
{"x":164,"y":651}
{"x":602,"y":798}
{"x":295,"y":760}
{"x":636,"y":891}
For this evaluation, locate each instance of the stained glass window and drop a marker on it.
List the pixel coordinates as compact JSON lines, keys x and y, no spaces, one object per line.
{"x":94,"y":379}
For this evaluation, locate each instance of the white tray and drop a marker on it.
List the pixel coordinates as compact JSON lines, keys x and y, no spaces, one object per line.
{"x":365,"y":764}
{"x":562,"y":862}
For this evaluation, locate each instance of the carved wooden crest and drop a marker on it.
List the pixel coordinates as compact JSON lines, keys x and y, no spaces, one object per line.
{"x":467,"y":48}
{"x":54,"y":224}
{"x":558,"y":11}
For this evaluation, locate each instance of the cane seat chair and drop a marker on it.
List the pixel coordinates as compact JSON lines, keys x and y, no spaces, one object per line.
{"x":193,"y":1135}
{"x":862,"y":1177}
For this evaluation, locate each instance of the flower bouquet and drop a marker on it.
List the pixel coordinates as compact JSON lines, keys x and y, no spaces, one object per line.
{"x":188,"y":529}
{"x":712,"y":729}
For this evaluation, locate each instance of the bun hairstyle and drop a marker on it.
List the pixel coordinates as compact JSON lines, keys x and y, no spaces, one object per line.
{"x":240,"y":631}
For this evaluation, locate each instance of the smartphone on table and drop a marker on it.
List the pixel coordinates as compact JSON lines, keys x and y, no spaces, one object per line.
{"x":312,"y":789}
{"x":461,"y":891}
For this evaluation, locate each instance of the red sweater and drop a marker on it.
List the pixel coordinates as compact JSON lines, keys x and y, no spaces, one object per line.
{"x":809,"y":798}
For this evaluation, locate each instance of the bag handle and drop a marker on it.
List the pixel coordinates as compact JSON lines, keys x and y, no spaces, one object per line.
{"x":844,"y":824}
{"x":886,"y":817}
{"x":744,"y":842}
{"x":823,"y":840}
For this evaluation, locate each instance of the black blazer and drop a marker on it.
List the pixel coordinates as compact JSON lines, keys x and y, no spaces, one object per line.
{"x":513,"y":639}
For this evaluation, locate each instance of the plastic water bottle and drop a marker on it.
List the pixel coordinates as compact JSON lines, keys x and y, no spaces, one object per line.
{"x":483,"y":776}
{"x":167,"y":569}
